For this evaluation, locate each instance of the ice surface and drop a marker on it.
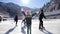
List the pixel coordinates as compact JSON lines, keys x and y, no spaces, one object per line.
{"x":52,"y":26}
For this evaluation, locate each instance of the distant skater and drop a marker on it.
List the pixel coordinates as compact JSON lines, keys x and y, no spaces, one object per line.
{"x":16,"y":19}
{"x":41,"y":16}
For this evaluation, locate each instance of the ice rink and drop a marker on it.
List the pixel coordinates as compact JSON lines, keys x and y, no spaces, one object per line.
{"x":52,"y":26}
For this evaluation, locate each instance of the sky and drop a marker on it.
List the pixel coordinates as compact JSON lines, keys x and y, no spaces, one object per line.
{"x":28,"y":3}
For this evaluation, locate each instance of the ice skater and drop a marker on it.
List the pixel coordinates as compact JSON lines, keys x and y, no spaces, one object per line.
{"x":28,"y":18}
{"x":16,"y":19}
{"x":40,"y":19}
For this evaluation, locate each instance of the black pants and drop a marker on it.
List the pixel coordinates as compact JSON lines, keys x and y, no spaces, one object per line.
{"x":41,"y":24}
{"x":16,"y":21}
{"x":28,"y":29}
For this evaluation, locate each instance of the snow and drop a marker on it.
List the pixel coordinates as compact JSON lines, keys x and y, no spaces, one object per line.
{"x":52,"y":26}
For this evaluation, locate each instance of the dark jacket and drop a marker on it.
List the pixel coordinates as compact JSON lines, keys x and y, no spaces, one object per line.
{"x":41,"y":16}
{"x":28,"y":20}
{"x":16,"y":18}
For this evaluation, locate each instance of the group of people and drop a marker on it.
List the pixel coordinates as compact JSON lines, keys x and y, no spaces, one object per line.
{"x":28,"y":20}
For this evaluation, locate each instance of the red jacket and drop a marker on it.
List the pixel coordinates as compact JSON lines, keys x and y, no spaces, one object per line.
{"x":16,"y":18}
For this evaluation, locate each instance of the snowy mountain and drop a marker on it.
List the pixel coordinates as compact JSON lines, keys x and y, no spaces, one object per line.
{"x":52,"y":9}
{"x":10,"y":8}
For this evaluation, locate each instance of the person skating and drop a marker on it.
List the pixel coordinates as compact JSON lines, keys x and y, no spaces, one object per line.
{"x":28,"y":18}
{"x":28,"y":22}
{"x":16,"y":19}
{"x":41,"y":16}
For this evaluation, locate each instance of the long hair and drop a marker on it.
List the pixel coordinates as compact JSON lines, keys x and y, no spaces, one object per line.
{"x":28,"y":13}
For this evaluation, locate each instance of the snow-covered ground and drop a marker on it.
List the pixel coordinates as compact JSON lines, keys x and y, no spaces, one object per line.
{"x":52,"y":26}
